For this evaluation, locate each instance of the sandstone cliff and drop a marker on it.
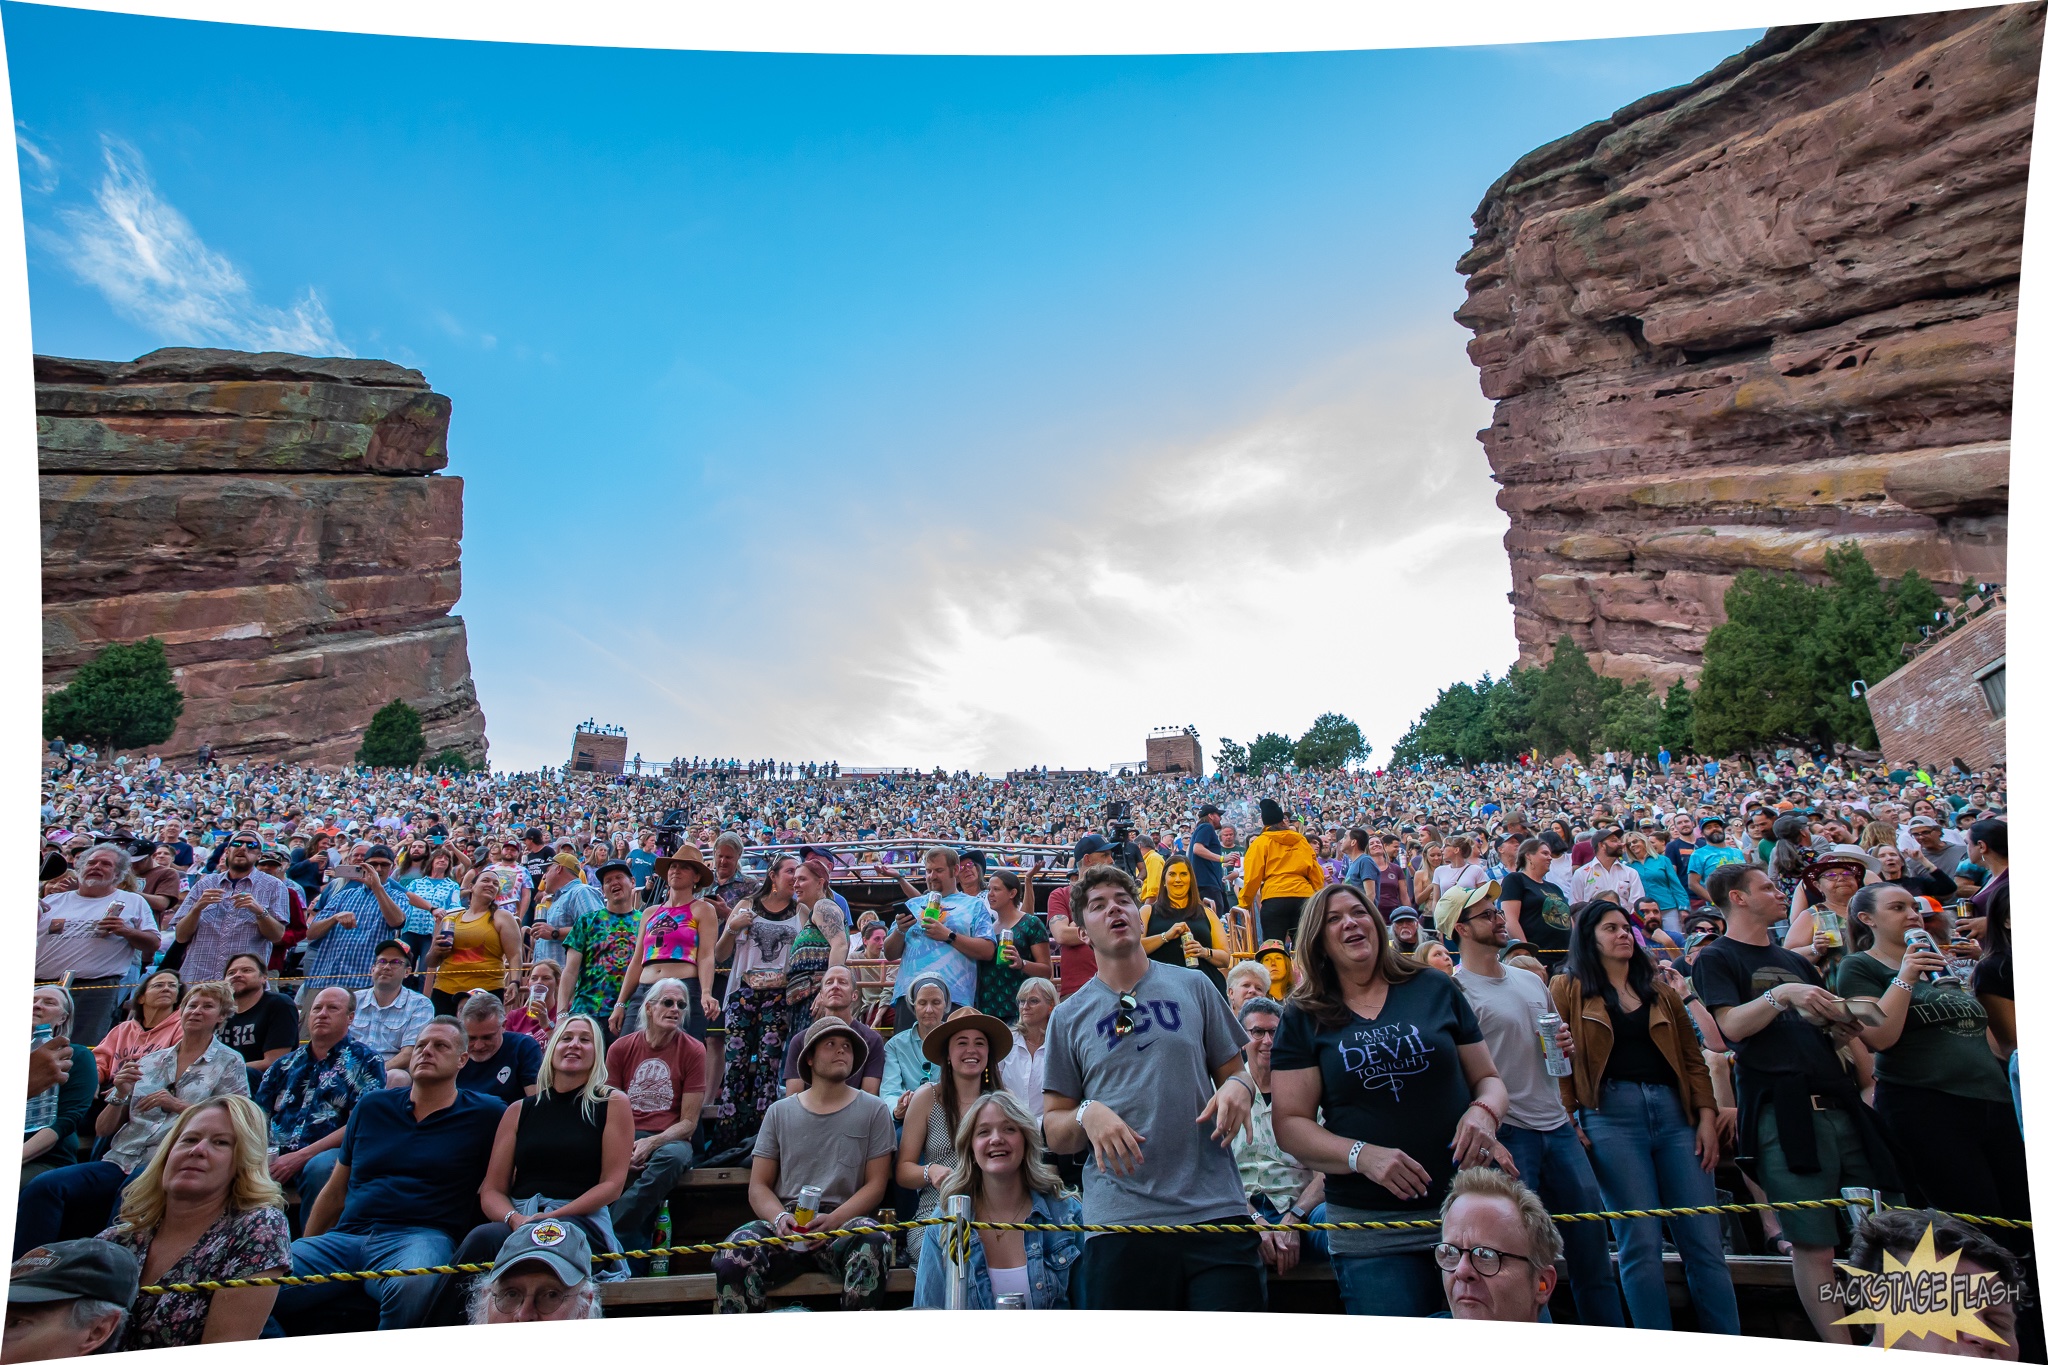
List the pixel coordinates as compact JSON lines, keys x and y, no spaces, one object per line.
{"x":279,"y":522}
{"x":1753,"y":316}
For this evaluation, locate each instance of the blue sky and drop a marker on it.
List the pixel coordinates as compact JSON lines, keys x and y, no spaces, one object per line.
{"x":979,"y":411}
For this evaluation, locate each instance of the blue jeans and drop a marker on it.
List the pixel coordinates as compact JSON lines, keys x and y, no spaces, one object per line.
{"x":400,"y":1303}
{"x":1643,"y":1153}
{"x":313,"y":1176}
{"x":1554,"y":1165}
{"x":1401,"y":1284}
{"x":69,"y":1202}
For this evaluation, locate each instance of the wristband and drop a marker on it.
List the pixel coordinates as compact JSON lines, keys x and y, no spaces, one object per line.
{"x":1900,"y":982}
{"x":1482,"y":1107}
{"x":1081,"y":1110}
{"x":1250,"y":1089}
{"x":1351,"y":1161}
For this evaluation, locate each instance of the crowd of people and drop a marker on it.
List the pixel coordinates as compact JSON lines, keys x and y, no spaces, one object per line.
{"x":298,"y":1020}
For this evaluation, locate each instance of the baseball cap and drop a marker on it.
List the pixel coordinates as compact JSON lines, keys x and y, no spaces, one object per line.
{"x":615,"y":865}
{"x":84,"y":1269}
{"x":1090,"y":843}
{"x":1403,"y":912}
{"x":1923,"y":822}
{"x":1454,"y":903}
{"x":555,"y":1243}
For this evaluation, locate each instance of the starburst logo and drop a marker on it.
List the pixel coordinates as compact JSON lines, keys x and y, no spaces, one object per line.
{"x":1928,"y":1296}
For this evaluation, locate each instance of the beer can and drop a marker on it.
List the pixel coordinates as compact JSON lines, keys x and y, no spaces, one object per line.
{"x":1924,"y":942}
{"x":1554,"y":1060}
{"x":1006,"y":947}
{"x":1011,"y":1301}
{"x":807,"y":1201}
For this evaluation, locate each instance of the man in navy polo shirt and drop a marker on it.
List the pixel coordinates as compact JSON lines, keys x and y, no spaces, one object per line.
{"x":404,"y":1191}
{"x":500,"y":1064}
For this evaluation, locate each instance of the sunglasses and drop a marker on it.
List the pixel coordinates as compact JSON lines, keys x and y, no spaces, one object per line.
{"x":1126,"y":1014}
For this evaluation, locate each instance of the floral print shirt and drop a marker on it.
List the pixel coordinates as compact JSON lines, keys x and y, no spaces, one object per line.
{"x":306,"y":1098}
{"x":220,"y":1070}
{"x":254,"y":1242}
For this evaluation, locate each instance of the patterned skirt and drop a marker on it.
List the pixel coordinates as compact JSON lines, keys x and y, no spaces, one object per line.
{"x":756,"y":1032}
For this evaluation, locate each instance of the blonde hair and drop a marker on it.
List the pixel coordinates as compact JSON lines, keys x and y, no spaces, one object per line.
{"x":1035,"y":1171}
{"x":1488,"y":1182}
{"x":142,"y":1204}
{"x":594,"y":1091}
{"x":216,"y":991}
{"x":1245,"y":969}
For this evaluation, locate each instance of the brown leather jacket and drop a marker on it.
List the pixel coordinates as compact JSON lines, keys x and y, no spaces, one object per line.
{"x":1593,"y":1037}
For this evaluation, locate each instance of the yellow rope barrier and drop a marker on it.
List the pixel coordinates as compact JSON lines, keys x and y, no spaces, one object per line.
{"x":747,"y":1243}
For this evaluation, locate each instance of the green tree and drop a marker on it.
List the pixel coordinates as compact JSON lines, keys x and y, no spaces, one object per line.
{"x":1859,"y":628}
{"x":1674,"y":727}
{"x":1564,"y":712}
{"x":122,"y":698}
{"x":1780,"y":667}
{"x":1630,"y":718}
{"x":394,"y":739}
{"x":449,"y":761}
{"x":1756,"y":685}
{"x":1268,"y":751}
{"x":1231,"y":756}
{"x":1331,"y":742}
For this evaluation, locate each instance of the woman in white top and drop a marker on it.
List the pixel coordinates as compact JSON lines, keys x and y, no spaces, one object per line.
{"x":1459,"y":867}
{"x":1023,"y":1068}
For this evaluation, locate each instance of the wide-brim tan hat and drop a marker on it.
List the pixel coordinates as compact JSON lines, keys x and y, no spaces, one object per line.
{"x":687,"y":856}
{"x":939,"y":1039}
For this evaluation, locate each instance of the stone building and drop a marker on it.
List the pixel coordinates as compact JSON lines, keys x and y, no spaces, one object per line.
{"x":1174,"y":749}
{"x":598,"y":749}
{"x":1949,"y":700}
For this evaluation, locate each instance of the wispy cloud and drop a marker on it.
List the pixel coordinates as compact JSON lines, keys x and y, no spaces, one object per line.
{"x":146,"y":258}
{"x":39,"y":175}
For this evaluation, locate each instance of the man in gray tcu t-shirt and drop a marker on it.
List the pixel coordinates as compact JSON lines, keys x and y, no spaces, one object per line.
{"x":1144,"y":1068}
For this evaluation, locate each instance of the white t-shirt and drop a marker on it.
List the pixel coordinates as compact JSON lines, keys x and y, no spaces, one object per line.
{"x":1472,"y":873}
{"x":78,"y":948}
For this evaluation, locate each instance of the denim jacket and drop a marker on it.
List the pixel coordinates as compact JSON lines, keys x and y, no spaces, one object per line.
{"x":1049,"y":1257}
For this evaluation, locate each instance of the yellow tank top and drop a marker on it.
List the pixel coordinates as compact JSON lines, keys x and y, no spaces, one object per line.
{"x":476,"y":963}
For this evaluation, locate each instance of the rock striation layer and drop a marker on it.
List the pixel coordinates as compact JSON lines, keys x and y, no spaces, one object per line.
{"x":279,"y":522}
{"x":1749,"y":318}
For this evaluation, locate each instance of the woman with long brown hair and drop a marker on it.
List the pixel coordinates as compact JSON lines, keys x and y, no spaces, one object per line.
{"x":1392,"y":1056}
{"x":968,"y":1049}
{"x":1181,"y":929}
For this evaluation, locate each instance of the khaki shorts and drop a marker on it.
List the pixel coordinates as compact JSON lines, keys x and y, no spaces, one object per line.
{"x":1843,"y":1163}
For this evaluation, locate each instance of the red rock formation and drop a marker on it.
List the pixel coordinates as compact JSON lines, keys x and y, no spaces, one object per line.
{"x":278,"y":522}
{"x":1749,"y":318}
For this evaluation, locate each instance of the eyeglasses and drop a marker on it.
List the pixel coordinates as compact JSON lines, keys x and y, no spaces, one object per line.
{"x":544,"y":1301}
{"x":1485,"y":1260}
{"x":1126,"y":1014}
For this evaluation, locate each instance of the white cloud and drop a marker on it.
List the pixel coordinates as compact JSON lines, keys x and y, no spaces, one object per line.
{"x":139,"y":251}
{"x":41,"y":172}
{"x":1337,"y":550}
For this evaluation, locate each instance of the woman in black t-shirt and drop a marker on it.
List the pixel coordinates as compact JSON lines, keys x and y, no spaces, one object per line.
{"x":1393,"y":1057}
{"x":1537,"y":911}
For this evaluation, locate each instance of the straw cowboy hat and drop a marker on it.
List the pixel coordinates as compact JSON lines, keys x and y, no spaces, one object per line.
{"x":997,"y":1032}
{"x":686,"y":856}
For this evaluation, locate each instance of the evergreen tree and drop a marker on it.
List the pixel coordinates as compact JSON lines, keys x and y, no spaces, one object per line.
{"x":122,"y":698}
{"x":449,"y":761}
{"x":1565,"y":711}
{"x":1331,"y":742}
{"x":1674,"y":728}
{"x":1231,"y":757}
{"x":1859,"y":629}
{"x":1630,"y":719}
{"x":1268,"y":751}
{"x":394,"y":739}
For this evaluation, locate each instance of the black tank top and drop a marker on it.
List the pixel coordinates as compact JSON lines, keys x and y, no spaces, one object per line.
{"x":1635,"y":1056}
{"x":558,"y":1152}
